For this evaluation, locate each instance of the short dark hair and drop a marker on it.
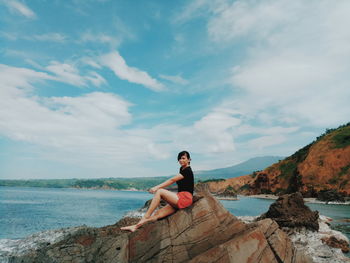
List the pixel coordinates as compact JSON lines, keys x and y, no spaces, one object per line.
{"x":182,"y":154}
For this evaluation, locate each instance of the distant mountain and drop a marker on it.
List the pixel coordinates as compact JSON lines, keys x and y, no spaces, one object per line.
{"x":247,"y":167}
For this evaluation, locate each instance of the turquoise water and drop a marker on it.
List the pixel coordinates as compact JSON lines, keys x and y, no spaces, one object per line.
{"x":25,"y":211}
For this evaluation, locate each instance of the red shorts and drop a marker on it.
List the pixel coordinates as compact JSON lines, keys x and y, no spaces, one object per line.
{"x":185,"y":199}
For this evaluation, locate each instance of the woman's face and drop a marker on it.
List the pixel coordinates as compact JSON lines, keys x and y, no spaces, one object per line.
{"x":184,"y":161}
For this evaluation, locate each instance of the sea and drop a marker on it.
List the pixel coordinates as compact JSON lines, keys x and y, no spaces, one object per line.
{"x":25,"y":210}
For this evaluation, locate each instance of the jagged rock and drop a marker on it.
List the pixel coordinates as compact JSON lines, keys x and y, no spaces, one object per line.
{"x":290,"y":211}
{"x":333,"y":241}
{"x":331,"y":195}
{"x":202,"y":232}
{"x":310,"y":242}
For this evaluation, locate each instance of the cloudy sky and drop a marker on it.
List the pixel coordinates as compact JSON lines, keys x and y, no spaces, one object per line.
{"x":94,"y":89}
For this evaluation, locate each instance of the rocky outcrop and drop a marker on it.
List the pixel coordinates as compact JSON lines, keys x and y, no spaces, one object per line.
{"x":203,"y":232}
{"x":307,"y":230}
{"x":290,"y":211}
{"x":335,"y":242}
{"x":228,"y":193}
{"x":312,"y":242}
{"x":330,"y":196}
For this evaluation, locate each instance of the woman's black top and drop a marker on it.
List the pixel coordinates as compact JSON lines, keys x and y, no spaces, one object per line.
{"x":187,"y":183}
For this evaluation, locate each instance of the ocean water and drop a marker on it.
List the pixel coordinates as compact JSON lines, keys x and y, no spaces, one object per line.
{"x":24,"y":211}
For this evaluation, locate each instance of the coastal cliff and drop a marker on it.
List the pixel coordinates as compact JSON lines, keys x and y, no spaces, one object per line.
{"x":320,"y":167}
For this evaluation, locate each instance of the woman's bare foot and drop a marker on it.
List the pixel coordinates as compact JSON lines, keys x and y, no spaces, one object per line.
{"x":133,"y":228}
{"x":130,"y":228}
{"x":145,"y":220}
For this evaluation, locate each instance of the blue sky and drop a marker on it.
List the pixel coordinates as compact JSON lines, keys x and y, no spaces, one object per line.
{"x":104,"y":88}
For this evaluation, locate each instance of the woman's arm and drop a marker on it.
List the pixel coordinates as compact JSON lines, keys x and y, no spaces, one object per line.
{"x":167,"y":183}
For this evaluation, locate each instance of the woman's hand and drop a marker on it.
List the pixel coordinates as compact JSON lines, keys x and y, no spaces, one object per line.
{"x":153,"y":189}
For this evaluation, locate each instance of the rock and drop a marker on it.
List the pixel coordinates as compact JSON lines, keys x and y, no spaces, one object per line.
{"x":290,"y":211}
{"x":333,"y":241}
{"x":330,"y":196}
{"x":202,"y":232}
{"x":227,"y":193}
{"x":308,"y":242}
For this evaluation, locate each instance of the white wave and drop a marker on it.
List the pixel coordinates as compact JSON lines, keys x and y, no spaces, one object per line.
{"x":18,"y":247}
{"x":137,"y":214}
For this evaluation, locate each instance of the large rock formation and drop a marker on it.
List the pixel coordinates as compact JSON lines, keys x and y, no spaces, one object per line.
{"x":203,"y":232}
{"x":290,"y":211}
{"x":306,"y":229}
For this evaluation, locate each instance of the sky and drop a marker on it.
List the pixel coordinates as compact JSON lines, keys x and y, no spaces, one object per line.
{"x":92,"y":89}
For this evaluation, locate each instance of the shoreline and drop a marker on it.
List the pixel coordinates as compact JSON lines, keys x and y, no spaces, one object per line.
{"x":306,"y":200}
{"x":227,"y":198}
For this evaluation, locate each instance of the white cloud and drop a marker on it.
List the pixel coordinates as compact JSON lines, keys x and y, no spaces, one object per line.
{"x":91,"y":62}
{"x":295,"y":71}
{"x":175,"y":79}
{"x":21,"y":78}
{"x":20,"y":8}
{"x":87,"y":125}
{"x":96,"y":79}
{"x":86,"y":130}
{"x":100,"y":38}
{"x":213,"y":133}
{"x":89,"y":128}
{"x":117,"y":64}
{"x":68,"y":73}
{"x":266,"y":141}
{"x":253,"y":19}
{"x":50,"y":37}
{"x":191,"y":11}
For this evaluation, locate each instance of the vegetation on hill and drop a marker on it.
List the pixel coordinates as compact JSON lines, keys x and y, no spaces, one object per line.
{"x":103,"y":183}
{"x":319,"y":167}
{"x":48,"y":183}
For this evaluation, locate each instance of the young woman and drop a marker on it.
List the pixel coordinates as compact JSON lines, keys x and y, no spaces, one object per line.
{"x":185,"y":181}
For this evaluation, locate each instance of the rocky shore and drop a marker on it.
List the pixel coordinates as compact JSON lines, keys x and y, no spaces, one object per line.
{"x":203,"y":232}
{"x":306,"y":200}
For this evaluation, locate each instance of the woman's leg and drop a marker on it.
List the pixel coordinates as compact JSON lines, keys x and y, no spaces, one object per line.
{"x":164,"y":211}
{"x":166,"y":195}
{"x":170,"y":197}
